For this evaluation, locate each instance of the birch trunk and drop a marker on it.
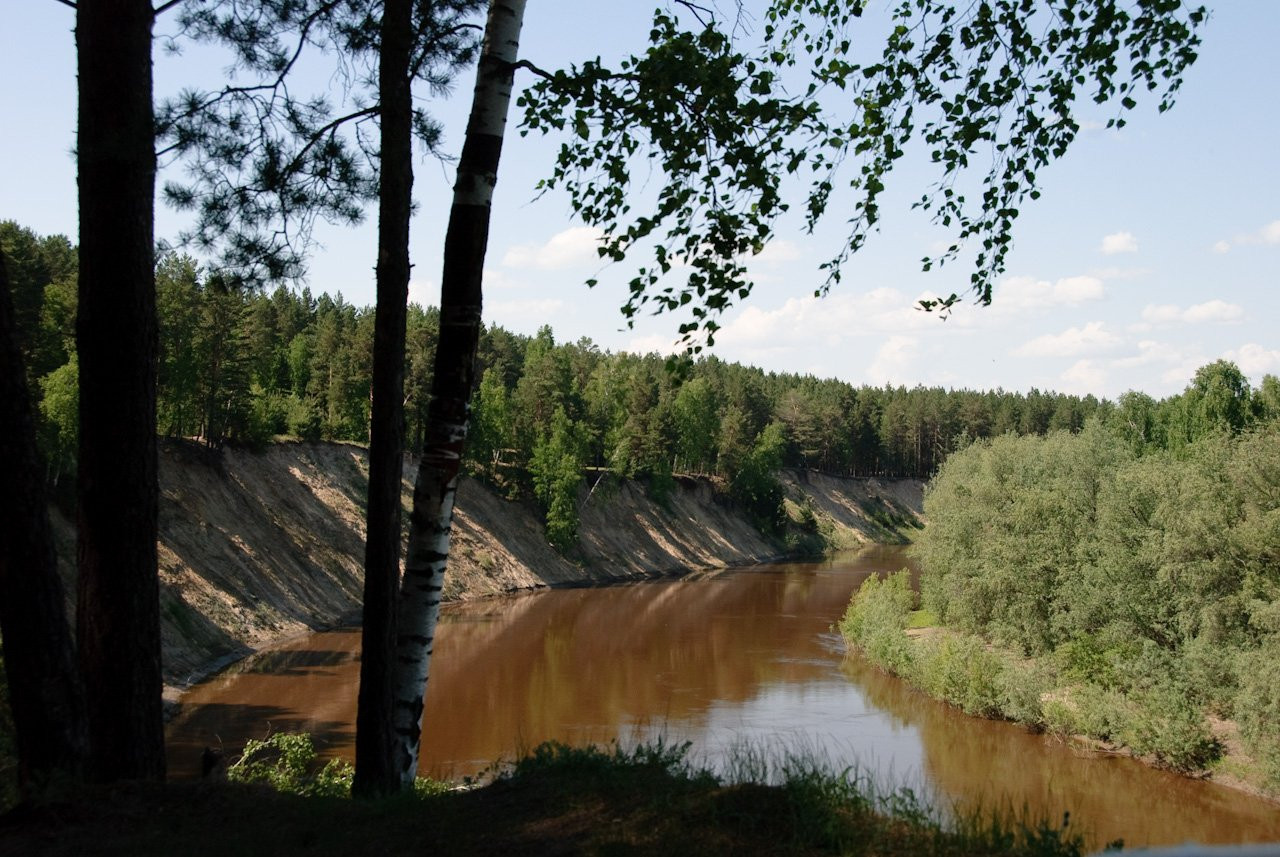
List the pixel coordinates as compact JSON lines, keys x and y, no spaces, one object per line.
{"x":375,"y":773}
{"x":460,"y":303}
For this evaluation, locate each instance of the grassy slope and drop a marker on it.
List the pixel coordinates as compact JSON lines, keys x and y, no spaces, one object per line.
{"x":557,"y":802}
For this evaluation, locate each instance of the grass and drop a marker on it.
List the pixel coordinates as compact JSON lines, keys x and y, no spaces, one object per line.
{"x":921,"y":619}
{"x":557,"y":800}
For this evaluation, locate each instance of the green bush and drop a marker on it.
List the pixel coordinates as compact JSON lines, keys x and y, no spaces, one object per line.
{"x":876,"y":618}
{"x":287,"y":763}
{"x":1087,"y":659}
{"x":1166,"y":724}
{"x":268,"y":417}
{"x":1257,"y":706}
{"x":959,"y":669}
{"x":1060,"y":717}
{"x":1021,"y":688}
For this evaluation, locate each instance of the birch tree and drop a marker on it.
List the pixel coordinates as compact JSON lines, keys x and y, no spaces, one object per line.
{"x":466,"y":241}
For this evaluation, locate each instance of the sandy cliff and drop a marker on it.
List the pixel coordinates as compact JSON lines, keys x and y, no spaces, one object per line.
{"x":258,"y":547}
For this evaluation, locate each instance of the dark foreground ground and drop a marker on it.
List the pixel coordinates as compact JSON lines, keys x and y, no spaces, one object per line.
{"x":557,"y":802}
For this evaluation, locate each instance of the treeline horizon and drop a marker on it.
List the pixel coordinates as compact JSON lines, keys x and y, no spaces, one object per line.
{"x":244,"y":366}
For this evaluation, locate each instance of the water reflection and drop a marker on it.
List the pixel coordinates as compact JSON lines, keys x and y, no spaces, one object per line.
{"x":981,"y":763}
{"x":739,"y":656}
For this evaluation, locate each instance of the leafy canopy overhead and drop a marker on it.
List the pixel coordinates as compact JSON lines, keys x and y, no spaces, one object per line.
{"x":989,"y":88}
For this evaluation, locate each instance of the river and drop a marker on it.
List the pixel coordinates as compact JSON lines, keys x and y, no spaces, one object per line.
{"x":739,"y":658}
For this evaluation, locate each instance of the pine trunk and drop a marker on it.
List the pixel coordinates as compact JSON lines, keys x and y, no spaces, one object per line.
{"x":460,"y":304}
{"x":118,"y":611}
{"x":45,"y":695}
{"x":375,"y":772}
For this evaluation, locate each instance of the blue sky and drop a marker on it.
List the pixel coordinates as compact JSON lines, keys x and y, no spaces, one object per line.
{"x":1153,"y":249}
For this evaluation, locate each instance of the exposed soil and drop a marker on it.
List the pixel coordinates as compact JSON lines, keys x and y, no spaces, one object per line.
{"x":257,"y":547}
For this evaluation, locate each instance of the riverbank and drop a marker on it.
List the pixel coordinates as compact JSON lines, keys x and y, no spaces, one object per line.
{"x":556,"y":801}
{"x":258,"y":547}
{"x":987,"y":681}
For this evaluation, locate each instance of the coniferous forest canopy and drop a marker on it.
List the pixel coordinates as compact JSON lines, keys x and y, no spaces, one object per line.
{"x":244,"y":365}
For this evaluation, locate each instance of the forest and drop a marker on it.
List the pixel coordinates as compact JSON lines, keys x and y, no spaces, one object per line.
{"x":244,"y":366}
{"x":163,"y":347}
{"x":241,"y":365}
{"x":1119,"y":583}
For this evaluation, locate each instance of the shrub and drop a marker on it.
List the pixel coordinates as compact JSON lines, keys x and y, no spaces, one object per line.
{"x":287,"y":763}
{"x":959,"y":669}
{"x":1021,"y":687}
{"x":1166,"y":724}
{"x":1257,"y":706}
{"x":876,"y":618}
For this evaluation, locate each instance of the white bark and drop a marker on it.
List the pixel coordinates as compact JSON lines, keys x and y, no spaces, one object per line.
{"x":432,"y":519}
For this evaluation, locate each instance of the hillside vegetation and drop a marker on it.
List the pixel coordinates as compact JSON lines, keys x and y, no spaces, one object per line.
{"x":1118,"y":583}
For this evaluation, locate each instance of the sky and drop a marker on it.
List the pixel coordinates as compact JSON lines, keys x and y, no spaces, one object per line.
{"x":1153,"y":250}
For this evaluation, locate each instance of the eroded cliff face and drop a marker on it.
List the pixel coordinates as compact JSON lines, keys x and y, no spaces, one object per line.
{"x":256,"y":547}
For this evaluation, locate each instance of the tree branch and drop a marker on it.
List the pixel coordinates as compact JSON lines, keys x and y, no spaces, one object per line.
{"x":533,"y":68}
{"x":67,"y":3}
{"x":159,"y":10}
{"x":320,"y":132}
{"x":704,"y":15}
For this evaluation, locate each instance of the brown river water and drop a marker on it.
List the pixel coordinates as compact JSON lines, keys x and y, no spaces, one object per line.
{"x":739,"y":658}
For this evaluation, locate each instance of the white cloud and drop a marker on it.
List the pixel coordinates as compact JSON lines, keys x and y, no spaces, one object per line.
{"x":516,"y":314}
{"x":829,"y":320}
{"x":1255,"y":360}
{"x":1269,"y":234}
{"x":571,"y":248}
{"x":1018,"y":293}
{"x":892,"y":363}
{"x":656,"y":343}
{"x":424,"y":292}
{"x":1213,"y":311}
{"x":1151,"y":351}
{"x":1073,"y":342}
{"x":496,"y":279}
{"x":779,"y":251}
{"x":1119,"y":242}
{"x":1083,"y":377}
{"x":1209,"y":312}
